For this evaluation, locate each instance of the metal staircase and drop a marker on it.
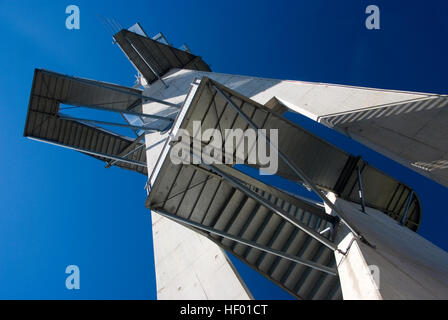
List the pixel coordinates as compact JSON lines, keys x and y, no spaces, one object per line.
{"x":213,"y":202}
{"x":286,"y":238}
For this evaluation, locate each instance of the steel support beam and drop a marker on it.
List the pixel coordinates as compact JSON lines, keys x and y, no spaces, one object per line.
{"x":115,"y":124}
{"x":361,"y":190}
{"x":127,"y":121}
{"x":302,"y":203}
{"x":98,"y":154}
{"x":243,"y":188}
{"x":408,"y":204}
{"x":235,"y":173}
{"x":126,"y":155}
{"x":110,"y":87}
{"x":170,"y":120}
{"x":133,"y":147}
{"x":240,"y":186}
{"x":285,"y":159}
{"x":252,"y":244}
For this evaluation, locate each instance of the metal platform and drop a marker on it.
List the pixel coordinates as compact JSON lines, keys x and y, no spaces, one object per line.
{"x":45,"y":123}
{"x":412,"y":132}
{"x":153,"y":58}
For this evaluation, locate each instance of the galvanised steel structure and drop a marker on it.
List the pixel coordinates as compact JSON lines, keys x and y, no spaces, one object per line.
{"x":287,"y":238}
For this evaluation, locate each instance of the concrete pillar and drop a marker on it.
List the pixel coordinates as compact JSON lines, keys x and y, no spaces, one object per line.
{"x":188,"y":265}
{"x":191,"y":267}
{"x":396,"y":264}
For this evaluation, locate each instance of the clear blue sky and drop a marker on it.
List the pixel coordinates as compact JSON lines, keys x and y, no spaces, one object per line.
{"x":58,"y":207}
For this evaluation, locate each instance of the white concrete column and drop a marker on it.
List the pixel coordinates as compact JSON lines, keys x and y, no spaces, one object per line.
{"x":404,"y":264}
{"x":191,"y":267}
{"x":357,"y":281}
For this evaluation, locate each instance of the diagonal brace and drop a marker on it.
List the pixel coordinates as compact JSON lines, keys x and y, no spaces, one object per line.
{"x":285,"y":159}
{"x":252,"y":244}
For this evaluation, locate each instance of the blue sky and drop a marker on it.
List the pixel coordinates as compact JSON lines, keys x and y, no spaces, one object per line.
{"x":58,"y":207}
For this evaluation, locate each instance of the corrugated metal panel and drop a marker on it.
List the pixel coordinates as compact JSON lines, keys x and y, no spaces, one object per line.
{"x":412,"y":132}
{"x":51,"y":89}
{"x":153,"y":59}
